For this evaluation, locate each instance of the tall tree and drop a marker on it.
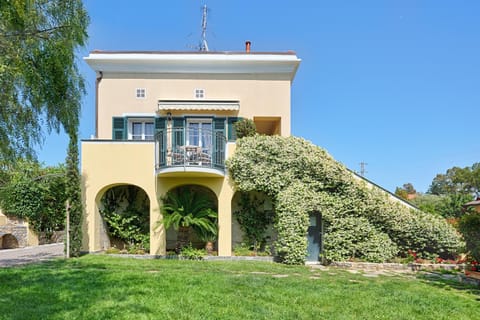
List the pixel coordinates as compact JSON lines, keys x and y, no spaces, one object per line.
{"x":41,"y":87}
{"x":405,"y":191}
{"x":457,"y":180}
{"x":73,"y":194}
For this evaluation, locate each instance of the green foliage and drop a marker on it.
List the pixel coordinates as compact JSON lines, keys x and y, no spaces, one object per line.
{"x":245,"y":128}
{"x":457,"y":180}
{"x":356,"y":237}
{"x":302,"y":178}
{"x":74,"y":195}
{"x":126,"y":213}
{"x":41,"y":84}
{"x":447,"y":206}
{"x":36,"y":193}
{"x":191,"y":253}
{"x":469,"y":226}
{"x":185,"y":208}
{"x":253,"y":219}
{"x":406,"y":190}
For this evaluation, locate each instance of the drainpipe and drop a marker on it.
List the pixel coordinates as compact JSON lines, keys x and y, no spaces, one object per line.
{"x":97,"y":83}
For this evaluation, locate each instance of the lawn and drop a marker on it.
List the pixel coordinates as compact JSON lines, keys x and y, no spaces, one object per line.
{"x":105,"y":287}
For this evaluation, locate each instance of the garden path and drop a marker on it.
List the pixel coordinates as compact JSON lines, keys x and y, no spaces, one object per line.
{"x":13,"y":257}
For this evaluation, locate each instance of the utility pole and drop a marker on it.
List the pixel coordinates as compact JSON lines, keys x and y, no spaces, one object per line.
{"x":362,"y":168}
{"x":67,"y":228}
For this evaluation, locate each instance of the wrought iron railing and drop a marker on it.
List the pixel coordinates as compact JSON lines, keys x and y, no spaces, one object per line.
{"x":190,"y":147}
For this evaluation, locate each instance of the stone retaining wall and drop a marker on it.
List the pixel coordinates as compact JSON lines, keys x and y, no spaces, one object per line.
{"x":396,"y":266}
{"x":20,"y":233}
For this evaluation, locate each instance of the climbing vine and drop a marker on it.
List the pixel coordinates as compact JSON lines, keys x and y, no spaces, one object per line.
{"x":361,"y":221}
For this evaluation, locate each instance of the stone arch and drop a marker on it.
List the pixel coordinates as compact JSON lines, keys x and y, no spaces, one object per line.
{"x":127,"y":200}
{"x":8,"y":241}
{"x":171,"y":235}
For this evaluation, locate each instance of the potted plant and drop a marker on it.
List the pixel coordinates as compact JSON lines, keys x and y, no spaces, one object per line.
{"x":185,"y":209}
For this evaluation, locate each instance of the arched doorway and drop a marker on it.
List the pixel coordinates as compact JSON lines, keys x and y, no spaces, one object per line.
{"x":125,"y":212}
{"x":189,"y":204}
{"x":8,"y":241}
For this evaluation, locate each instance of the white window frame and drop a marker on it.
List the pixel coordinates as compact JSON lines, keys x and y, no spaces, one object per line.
{"x":141,"y":93}
{"x":143,"y":121}
{"x":199,"y":93}
{"x":201,"y":121}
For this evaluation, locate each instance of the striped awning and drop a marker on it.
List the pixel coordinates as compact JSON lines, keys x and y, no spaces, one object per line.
{"x":199,"y":105}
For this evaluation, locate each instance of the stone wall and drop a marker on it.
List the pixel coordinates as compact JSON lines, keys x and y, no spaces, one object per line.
{"x":396,"y":266}
{"x":20,"y":232}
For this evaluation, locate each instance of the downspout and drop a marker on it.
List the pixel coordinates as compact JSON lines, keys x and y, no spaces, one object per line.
{"x":97,"y":83}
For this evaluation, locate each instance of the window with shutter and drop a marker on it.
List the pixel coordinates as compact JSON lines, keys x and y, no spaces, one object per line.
{"x":232,"y":134}
{"x":119,"y":128}
{"x":219,"y":142}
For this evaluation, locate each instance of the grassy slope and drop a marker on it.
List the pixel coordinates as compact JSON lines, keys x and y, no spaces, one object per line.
{"x":102,"y":287}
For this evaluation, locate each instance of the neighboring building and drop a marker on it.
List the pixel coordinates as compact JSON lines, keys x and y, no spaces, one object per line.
{"x":475,"y":204}
{"x":165,"y":119}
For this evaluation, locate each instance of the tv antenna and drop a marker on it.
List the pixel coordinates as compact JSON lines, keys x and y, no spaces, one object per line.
{"x":203,"y":43}
{"x":362,"y":168}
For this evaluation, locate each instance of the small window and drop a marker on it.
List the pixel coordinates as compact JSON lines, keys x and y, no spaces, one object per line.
{"x":140,"y":129}
{"x":141,"y":93}
{"x":199,"y":93}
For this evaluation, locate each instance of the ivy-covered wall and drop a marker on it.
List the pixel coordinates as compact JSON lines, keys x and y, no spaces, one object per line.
{"x":360,"y":222}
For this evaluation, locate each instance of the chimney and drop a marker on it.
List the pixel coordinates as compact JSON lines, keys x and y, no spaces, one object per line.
{"x":247,"y":46}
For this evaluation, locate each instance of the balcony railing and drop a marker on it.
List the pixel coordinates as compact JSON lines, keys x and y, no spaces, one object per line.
{"x":190,"y":147}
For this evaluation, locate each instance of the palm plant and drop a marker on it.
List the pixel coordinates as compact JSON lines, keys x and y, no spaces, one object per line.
{"x":185,"y":209}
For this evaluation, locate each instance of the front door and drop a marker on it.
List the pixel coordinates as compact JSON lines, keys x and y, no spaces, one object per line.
{"x":314,"y":237}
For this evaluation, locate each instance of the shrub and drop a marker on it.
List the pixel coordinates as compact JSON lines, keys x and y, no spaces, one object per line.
{"x":190,"y":253}
{"x":37,"y":194}
{"x":253,"y":219}
{"x":302,"y":178}
{"x":469,"y":226}
{"x":245,"y":128}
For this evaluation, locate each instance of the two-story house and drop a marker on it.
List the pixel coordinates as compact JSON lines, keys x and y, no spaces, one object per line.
{"x":165,"y":119}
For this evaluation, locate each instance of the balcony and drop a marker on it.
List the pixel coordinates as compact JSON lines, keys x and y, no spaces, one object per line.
{"x":190,"y":151}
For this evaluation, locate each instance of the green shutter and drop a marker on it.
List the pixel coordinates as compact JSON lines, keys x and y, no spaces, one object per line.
{"x":219,"y":142}
{"x":160,"y":124}
{"x":161,"y":139}
{"x":232,"y":134}
{"x":178,"y":136}
{"x":119,"y":128}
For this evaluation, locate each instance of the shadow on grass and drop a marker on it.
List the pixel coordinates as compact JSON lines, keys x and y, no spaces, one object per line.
{"x":453,"y":282}
{"x":62,"y":289}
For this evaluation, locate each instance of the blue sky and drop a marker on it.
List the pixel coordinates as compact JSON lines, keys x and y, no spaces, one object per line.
{"x":394,"y":84}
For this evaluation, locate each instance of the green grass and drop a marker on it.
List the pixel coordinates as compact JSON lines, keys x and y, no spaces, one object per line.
{"x":105,"y":287}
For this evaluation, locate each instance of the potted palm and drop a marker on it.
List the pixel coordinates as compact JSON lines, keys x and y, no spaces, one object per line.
{"x":185,"y":210}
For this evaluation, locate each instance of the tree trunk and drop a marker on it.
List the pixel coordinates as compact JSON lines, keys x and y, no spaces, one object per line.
{"x":182,"y":237}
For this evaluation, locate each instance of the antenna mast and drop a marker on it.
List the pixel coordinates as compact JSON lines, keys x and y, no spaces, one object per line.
{"x":203,"y":44}
{"x":362,"y":168}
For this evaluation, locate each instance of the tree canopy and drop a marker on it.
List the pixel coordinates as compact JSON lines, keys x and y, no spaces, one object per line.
{"x":41,"y":87}
{"x":457,"y":180}
{"x":361,"y":221}
{"x":36,"y":193}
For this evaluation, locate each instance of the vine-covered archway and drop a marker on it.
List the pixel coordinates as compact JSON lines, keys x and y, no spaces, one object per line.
{"x":125,"y":210}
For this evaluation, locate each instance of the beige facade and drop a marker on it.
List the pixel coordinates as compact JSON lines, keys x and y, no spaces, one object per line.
{"x":151,"y":110}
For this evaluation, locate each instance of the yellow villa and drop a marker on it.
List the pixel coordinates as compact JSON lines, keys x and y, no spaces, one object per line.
{"x":165,"y":120}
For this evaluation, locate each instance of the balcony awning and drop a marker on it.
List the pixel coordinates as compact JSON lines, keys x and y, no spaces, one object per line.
{"x":199,"y":105}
